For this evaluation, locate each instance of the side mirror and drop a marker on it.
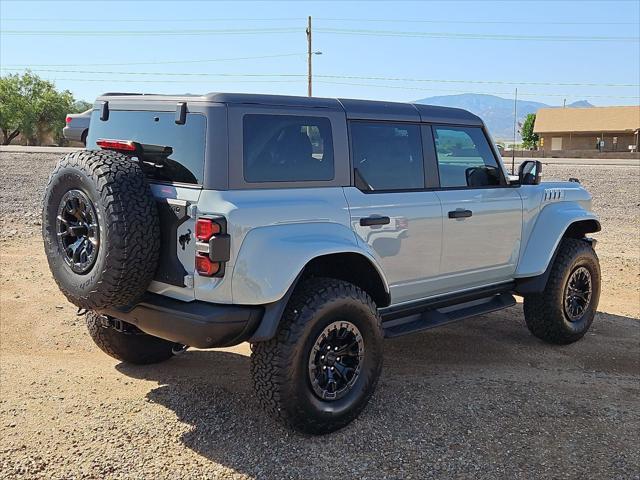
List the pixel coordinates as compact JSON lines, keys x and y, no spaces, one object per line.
{"x":529,"y":172}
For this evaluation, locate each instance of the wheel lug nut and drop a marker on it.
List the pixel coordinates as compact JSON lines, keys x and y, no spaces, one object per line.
{"x":321,"y":357}
{"x":336,"y":349}
{"x":338,"y":359}
{"x":328,"y":347}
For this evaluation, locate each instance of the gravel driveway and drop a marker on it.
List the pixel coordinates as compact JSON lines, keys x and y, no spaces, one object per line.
{"x":477,"y":399}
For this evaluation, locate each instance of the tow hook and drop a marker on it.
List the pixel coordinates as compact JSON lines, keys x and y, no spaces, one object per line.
{"x":179,"y":349}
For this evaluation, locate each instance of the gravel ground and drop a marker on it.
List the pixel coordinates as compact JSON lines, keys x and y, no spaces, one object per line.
{"x":478,"y":399}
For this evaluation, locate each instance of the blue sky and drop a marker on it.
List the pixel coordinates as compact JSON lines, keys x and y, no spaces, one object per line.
{"x":385,"y":40}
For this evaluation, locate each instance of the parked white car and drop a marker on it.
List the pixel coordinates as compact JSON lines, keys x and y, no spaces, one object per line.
{"x":77,"y":126}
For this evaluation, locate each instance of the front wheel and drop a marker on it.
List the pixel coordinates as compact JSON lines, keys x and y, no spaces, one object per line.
{"x":564,"y":311}
{"x":322,"y":367}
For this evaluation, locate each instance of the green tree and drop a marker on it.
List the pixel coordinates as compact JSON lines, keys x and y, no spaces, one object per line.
{"x":10,"y":108}
{"x":80,"y":106}
{"x":32,"y":107}
{"x":529,"y":139}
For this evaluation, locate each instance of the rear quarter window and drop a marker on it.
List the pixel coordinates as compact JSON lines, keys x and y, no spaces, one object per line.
{"x":287,"y":148}
{"x":172,"y":153}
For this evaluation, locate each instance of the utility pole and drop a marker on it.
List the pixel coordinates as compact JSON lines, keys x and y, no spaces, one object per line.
{"x":309,"y":53}
{"x":515,"y":119}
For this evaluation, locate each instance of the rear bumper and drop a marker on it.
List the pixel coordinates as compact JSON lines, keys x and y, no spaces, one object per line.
{"x":73,"y":133}
{"x":197,"y":324}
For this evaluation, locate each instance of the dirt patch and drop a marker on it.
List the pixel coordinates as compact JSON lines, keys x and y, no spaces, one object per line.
{"x":479,"y":399}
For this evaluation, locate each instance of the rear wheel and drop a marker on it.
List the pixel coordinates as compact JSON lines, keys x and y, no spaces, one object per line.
{"x":564,"y":311}
{"x":322,"y":367}
{"x":127,"y":343}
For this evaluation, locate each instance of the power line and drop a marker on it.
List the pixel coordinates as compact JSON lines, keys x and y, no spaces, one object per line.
{"x":302,"y":79}
{"x":468,"y":22}
{"x":478,"y":36}
{"x":637,"y":97}
{"x":142,"y":33}
{"x":153,"y":20}
{"x":334,"y":31}
{"x":167,"y":62}
{"x":481,"y":82}
{"x":325,"y":19}
{"x":110,"y":80}
{"x":168,"y":74}
{"x":345,"y":77}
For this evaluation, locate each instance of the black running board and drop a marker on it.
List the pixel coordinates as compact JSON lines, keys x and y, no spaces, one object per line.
{"x":436,"y":317}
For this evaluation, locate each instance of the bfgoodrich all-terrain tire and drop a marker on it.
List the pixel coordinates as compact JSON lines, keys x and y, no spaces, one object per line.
{"x":323,"y":365}
{"x":128,"y":344}
{"x":564,"y":311}
{"x":100,"y":228}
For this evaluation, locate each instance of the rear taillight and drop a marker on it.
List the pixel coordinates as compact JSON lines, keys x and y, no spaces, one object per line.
{"x":120,"y":145}
{"x":205,"y":266}
{"x":212,"y":246}
{"x":206,"y":228}
{"x":68,"y":119}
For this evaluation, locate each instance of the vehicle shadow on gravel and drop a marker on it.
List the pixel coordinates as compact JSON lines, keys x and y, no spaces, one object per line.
{"x":461,"y":400}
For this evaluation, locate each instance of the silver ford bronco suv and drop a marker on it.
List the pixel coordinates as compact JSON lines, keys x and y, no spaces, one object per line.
{"x":311,"y":228}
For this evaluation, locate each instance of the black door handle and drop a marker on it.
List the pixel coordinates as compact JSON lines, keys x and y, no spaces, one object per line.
{"x":371,"y":221}
{"x":460,"y":213}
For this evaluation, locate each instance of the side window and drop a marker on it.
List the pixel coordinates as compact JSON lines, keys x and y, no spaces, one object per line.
{"x":465,"y":158}
{"x":287,"y":148}
{"x":388,"y":156}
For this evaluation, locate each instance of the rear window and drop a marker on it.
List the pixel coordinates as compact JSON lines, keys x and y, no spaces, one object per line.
{"x":172,"y":152}
{"x":287,"y":148}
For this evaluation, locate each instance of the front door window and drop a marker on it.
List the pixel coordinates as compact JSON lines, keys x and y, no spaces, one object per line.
{"x":465,"y":158}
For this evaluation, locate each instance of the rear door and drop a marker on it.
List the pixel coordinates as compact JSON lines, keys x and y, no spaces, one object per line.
{"x":391,"y":208}
{"x":172,"y":155}
{"x":482,"y":215}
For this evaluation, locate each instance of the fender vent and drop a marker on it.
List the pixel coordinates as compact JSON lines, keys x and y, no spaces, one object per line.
{"x":553,"y":195}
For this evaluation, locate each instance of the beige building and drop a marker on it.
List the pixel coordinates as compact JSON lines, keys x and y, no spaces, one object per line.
{"x":608,"y":129}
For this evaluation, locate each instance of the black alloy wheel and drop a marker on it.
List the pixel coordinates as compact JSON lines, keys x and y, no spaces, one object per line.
{"x":78,"y":231}
{"x":577,"y":293}
{"x":334,"y":360}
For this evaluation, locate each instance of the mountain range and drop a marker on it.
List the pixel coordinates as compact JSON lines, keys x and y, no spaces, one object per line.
{"x":497,"y":112}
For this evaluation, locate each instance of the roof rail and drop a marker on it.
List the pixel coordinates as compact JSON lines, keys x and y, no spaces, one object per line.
{"x":120,"y":94}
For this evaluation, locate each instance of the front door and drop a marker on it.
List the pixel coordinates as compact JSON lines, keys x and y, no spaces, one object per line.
{"x":482,"y":215}
{"x":391,"y":211}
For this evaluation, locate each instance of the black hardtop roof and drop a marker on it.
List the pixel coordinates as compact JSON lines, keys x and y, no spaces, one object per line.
{"x":354,"y":109}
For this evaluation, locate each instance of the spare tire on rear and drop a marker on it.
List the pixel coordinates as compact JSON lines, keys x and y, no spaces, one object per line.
{"x":100,"y":228}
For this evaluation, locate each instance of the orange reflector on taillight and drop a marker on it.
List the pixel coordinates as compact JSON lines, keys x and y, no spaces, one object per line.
{"x":205,"y":267}
{"x":206,"y":228}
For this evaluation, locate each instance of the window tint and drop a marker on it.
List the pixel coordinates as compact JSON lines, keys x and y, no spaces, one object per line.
{"x":287,"y":148}
{"x":388,"y":156}
{"x":465,"y":158}
{"x":171,"y":152}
